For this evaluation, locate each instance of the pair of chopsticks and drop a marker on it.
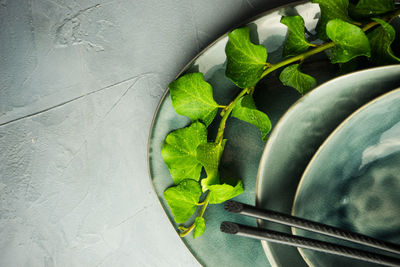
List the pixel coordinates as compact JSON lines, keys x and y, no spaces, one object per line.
{"x":308,"y":243}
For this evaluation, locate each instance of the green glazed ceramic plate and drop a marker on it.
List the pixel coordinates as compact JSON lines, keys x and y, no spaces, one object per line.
{"x":298,"y":135}
{"x":244,"y":147}
{"x":353,"y":181}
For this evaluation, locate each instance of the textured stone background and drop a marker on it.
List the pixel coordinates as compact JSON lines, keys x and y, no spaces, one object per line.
{"x":79,"y":84}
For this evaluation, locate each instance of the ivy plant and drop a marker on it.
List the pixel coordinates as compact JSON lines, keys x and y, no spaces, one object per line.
{"x":349,"y":31}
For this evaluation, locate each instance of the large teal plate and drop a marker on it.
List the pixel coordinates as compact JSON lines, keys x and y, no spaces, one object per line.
{"x":353,"y":181}
{"x":244,"y":147}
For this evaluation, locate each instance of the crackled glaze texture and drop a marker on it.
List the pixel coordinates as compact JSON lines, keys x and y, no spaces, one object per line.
{"x":79,"y":84}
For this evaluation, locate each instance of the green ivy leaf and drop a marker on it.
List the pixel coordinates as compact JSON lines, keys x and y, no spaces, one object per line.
{"x":350,"y":41}
{"x":245,"y":60}
{"x":331,"y":9}
{"x":369,"y":8}
{"x":179,"y":151}
{"x":223,"y":192}
{"x":209,"y":155}
{"x":381,"y":39}
{"x":183,"y":199}
{"x":200,"y":227}
{"x":296,"y":42}
{"x":246,"y":110}
{"x":293,"y":77}
{"x":192,"y":96}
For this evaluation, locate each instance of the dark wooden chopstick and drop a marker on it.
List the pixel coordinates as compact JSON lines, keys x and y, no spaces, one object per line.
{"x":303,"y":242}
{"x":247,"y":210}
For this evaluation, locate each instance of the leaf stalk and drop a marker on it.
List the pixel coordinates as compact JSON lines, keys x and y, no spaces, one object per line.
{"x":300,"y":57}
{"x":222,"y":124}
{"x":203,"y":209}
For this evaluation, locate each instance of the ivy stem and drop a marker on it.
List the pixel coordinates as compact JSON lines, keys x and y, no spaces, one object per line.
{"x":300,"y":57}
{"x":205,"y":204}
{"x":369,"y":26}
{"x":221,"y":129}
{"x":201,"y":203}
{"x":388,"y":19}
{"x":203,"y":209}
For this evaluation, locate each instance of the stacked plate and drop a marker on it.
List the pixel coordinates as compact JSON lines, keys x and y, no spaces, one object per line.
{"x":315,"y":140}
{"x":335,"y":154}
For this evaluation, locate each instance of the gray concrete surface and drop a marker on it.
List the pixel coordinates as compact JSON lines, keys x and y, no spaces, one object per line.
{"x":79,"y":84}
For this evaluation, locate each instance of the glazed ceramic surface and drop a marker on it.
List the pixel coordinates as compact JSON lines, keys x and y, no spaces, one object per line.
{"x":244,"y":147}
{"x":353,"y":181}
{"x":298,"y":135}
